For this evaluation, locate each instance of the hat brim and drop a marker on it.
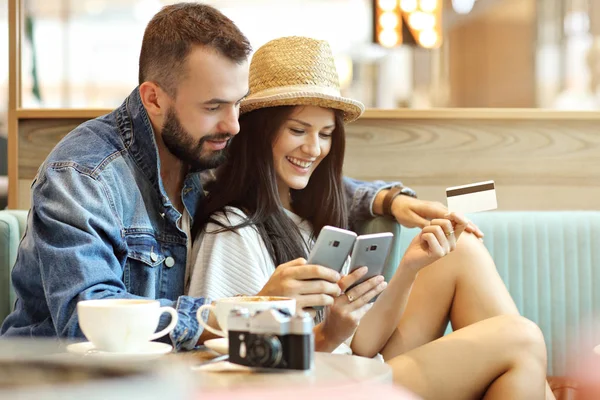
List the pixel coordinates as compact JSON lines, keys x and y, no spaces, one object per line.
{"x":352,"y":109}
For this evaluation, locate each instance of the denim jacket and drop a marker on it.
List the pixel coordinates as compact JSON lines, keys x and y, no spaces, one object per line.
{"x":101,"y":226}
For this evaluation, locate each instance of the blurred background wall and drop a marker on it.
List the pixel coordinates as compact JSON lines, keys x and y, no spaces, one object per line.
{"x":495,"y":53}
{"x":489,"y":53}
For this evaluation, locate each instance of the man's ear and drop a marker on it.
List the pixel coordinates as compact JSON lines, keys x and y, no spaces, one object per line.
{"x":155,"y":100}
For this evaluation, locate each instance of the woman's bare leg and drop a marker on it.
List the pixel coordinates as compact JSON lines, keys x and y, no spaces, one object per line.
{"x":499,"y":358}
{"x":463,"y":287}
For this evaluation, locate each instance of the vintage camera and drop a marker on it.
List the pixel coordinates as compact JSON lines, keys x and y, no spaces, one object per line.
{"x":271,"y":339}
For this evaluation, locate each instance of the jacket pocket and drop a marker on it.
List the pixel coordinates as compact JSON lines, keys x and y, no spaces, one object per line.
{"x":144,"y":255}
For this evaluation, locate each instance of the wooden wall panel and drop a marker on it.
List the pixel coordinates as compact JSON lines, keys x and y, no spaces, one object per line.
{"x":37,"y":137}
{"x":541,"y":165}
{"x":24,"y":202}
{"x":539,"y":160}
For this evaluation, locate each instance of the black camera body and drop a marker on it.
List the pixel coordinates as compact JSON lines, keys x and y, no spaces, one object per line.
{"x":271,"y":339}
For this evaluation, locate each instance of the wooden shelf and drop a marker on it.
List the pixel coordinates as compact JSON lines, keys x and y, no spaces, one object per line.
{"x":482,"y":114}
{"x":64,"y":113}
{"x":433,"y":114}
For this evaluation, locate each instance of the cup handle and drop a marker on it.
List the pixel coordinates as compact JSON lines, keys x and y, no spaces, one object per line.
{"x":204,"y":324}
{"x":169,"y":328}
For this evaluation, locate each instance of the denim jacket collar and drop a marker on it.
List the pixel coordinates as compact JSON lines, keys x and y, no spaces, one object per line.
{"x":136,"y":129}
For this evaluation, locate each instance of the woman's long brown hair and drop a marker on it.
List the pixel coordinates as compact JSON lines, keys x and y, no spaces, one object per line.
{"x":248,"y":181}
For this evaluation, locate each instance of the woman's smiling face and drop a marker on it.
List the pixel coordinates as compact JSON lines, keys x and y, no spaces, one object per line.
{"x":303,"y":141}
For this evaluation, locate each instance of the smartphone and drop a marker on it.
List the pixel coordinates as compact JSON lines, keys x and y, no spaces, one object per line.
{"x":332,"y":248}
{"x":370,"y":251}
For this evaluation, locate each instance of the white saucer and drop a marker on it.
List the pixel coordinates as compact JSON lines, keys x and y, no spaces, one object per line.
{"x":150,"y":351}
{"x":220,"y":345}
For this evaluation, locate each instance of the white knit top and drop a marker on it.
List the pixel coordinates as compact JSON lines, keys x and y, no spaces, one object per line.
{"x":229,"y":263}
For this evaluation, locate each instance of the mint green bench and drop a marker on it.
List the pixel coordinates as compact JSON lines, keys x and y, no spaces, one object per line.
{"x":12,"y":227}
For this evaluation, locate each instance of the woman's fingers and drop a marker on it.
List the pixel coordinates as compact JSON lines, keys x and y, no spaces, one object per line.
{"x":453,"y":225}
{"x":459,"y":221}
{"x":448,"y":231}
{"x":310,"y":272}
{"x":440,"y":237}
{"x":314,"y":300}
{"x":346,"y":281}
{"x":366,"y":291}
{"x":433,"y":244}
{"x":317,"y":287}
{"x":364,"y":287}
{"x":474,"y":229}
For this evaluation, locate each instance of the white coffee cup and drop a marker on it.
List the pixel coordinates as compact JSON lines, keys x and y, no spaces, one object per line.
{"x":122,"y":325}
{"x":222,"y":307}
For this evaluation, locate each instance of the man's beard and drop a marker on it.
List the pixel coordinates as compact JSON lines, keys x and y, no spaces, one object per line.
{"x":182,"y":146}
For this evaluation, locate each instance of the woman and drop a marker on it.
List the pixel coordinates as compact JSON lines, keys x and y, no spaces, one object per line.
{"x":287,"y":160}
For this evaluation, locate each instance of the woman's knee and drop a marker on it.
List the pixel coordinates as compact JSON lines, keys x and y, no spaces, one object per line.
{"x":470,"y":253}
{"x":473,"y":259}
{"x":469,"y":246}
{"x":523,"y":337}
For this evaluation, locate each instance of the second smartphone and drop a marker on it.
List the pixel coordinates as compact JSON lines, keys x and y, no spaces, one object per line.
{"x":371,"y":251}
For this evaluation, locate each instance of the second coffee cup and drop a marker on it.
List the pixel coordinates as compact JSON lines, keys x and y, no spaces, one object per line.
{"x":222,"y":307}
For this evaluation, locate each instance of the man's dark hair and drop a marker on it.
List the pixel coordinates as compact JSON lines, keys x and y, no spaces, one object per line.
{"x":175,"y":30}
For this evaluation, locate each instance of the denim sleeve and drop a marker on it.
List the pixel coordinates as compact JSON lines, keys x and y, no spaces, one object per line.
{"x":361,"y":196}
{"x":187,"y":331}
{"x":71,"y":250}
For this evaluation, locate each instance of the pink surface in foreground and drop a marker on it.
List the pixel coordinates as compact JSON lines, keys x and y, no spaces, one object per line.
{"x":345,"y":392}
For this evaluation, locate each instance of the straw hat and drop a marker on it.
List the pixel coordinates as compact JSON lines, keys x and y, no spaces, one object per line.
{"x":297,"y":71}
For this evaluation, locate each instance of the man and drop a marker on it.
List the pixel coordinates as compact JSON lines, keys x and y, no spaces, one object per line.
{"x":112,"y":203}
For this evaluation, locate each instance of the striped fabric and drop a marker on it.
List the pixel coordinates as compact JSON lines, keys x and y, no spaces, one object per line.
{"x":12,"y":226}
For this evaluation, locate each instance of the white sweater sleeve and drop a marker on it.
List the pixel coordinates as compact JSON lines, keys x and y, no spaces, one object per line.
{"x":229,"y":263}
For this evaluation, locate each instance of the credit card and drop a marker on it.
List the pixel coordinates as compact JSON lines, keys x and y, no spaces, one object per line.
{"x":474,"y":197}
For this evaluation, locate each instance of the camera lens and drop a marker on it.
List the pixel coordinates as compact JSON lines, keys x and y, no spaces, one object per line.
{"x":265,"y":351}
{"x":336,"y":243}
{"x":373,"y":247}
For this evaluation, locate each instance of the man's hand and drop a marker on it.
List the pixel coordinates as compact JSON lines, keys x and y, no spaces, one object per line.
{"x":310,"y":285}
{"x":411,"y":213}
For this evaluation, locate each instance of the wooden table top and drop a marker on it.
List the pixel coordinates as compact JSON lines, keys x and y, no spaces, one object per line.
{"x":178,"y":375}
{"x":330,"y":369}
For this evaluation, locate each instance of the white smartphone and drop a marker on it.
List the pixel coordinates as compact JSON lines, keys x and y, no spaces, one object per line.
{"x":332,"y":248}
{"x":370,"y":251}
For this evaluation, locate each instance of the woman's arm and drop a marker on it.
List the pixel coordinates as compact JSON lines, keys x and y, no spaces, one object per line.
{"x":322,"y":342}
{"x":377,"y":326}
{"x":342,"y":318}
{"x":434,"y":242}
